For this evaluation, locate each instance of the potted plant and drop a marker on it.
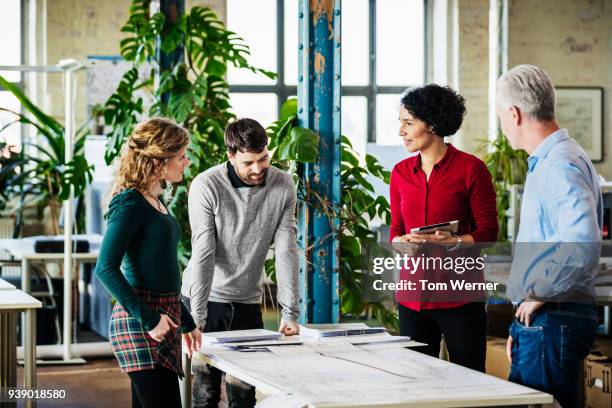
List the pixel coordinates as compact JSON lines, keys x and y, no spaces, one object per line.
{"x":193,"y":90}
{"x":97,"y":119}
{"x":39,"y":175}
{"x":195,"y":93}
{"x":508,"y":167}
{"x":292,"y":146}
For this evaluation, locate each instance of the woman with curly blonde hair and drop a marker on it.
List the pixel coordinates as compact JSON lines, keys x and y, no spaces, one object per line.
{"x":138,"y":265}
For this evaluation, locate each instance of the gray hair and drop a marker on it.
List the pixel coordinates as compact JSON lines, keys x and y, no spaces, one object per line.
{"x":530,"y":89}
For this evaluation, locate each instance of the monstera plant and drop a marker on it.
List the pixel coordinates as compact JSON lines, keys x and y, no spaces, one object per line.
{"x":190,"y":89}
{"x":193,"y":91}
{"x":292,"y":146}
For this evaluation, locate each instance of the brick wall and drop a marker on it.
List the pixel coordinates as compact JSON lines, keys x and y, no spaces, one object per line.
{"x":572,"y":41}
{"x":78,"y":29}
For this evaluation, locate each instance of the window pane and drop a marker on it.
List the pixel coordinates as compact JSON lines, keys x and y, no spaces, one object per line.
{"x":355,"y":122}
{"x":255,"y":22}
{"x":387,"y":122}
{"x":399,"y":42}
{"x":10,"y":45}
{"x":291,"y":42}
{"x":355,"y":43}
{"x":12,"y":134}
{"x":355,"y":49}
{"x":259,"y":106}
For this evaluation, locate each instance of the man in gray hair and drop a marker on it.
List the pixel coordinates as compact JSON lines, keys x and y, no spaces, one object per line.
{"x":556,"y":318}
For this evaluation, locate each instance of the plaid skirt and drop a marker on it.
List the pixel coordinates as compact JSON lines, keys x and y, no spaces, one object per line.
{"x":134,"y":349}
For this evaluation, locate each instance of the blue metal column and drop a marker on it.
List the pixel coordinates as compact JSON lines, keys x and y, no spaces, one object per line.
{"x":319,"y":109}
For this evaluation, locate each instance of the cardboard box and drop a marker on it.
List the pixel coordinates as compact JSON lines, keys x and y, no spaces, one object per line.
{"x":603,"y":345}
{"x":598,"y":370}
{"x":497,"y":363}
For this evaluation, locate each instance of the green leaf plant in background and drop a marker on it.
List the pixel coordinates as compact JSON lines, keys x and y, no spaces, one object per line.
{"x":292,"y":146}
{"x":508,"y":167}
{"x":193,"y":91}
{"x":39,"y":173}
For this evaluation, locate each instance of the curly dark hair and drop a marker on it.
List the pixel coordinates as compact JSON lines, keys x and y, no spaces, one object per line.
{"x":438,"y":106}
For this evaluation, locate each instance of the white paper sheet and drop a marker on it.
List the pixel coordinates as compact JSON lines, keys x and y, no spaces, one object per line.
{"x":234,"y":336}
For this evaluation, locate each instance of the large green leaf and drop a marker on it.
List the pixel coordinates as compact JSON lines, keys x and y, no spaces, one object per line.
{"x":289,"y":109}
{"x":301,"y":145}
{"x":43,"y":119}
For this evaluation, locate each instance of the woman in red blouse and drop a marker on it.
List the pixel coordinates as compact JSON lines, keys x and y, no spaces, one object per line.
{"x":441,"y":184}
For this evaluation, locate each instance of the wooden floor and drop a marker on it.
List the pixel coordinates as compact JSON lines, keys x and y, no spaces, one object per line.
{"x":97,"y":384}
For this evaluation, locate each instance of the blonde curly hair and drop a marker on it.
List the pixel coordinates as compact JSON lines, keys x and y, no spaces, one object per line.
{"x":143,"y":155}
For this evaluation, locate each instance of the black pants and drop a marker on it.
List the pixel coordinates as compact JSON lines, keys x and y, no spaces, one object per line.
{"x":207,"y":379}
{"x":154,"y":388}
{"x":464,"y":329}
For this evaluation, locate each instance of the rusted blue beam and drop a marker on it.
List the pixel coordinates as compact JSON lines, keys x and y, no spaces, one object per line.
{"x":319,"y":110}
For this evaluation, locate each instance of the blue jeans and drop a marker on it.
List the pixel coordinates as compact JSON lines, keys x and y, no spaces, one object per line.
{"x":547,"y":355}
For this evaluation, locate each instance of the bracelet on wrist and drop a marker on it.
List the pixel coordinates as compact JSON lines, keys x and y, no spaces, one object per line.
{"x":457,"y":244}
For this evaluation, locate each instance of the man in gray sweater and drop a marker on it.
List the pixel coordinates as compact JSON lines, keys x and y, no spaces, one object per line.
{"x":237,"y":210}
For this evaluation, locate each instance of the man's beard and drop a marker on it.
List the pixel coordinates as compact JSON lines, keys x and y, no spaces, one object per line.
{"x":252,"y":180}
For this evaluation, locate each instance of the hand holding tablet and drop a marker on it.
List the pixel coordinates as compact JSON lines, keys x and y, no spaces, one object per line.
{"x":450,"y":226}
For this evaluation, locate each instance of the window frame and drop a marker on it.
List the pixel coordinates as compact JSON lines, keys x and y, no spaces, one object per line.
{"x":21,"y":83}
{"x":369,"y":91}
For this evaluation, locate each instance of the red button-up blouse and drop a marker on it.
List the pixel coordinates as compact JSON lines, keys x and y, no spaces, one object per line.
{"x":459,"y":188}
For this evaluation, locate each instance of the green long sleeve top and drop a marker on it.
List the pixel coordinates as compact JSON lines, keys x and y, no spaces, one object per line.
{"x":139,"y":250}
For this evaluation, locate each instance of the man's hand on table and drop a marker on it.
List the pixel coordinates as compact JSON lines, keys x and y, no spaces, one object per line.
{"x":192,"y":341}
{"x":289,"y":327}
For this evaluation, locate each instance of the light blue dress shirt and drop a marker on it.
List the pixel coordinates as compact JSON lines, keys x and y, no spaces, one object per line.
{"x":559,"y":240}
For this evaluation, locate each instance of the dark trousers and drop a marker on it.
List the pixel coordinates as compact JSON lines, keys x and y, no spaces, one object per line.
{"x":464,"y":329}
{"x":154,"y":388}
{"x":207,"y":379}
{"x":548,"y":354}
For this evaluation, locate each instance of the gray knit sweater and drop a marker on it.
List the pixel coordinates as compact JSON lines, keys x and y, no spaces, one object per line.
{"x":232,"y":232}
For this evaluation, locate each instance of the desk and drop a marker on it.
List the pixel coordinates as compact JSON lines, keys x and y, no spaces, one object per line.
{"x":13,"y":301}
{"x":4,"y":285}
{"x":382,"y":375}
{"x":23,"y":250}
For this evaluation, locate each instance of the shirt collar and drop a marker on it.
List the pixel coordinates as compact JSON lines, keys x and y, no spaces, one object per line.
{"x":235,"y":179}
{"x":440,"y":165}
{"x":546,"y":146}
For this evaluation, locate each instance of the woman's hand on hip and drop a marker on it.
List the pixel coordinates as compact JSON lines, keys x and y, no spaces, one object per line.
{"x":164,"y":326}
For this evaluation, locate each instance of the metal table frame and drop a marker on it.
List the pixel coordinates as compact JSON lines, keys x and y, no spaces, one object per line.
{"x":27,"y":305}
